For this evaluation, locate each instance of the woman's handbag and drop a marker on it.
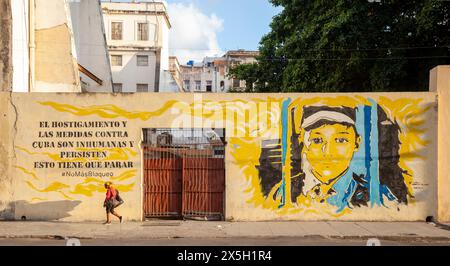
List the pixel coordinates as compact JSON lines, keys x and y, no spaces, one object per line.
{"x":118,"y":200}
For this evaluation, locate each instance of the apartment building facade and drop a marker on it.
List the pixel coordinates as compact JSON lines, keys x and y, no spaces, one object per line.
{"x":138,"y":43}
{"x":211,"y":75}
{"x":202,"y":77}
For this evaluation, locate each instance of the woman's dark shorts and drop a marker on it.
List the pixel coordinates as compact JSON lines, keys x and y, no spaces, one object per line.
{"x":110,"y":206}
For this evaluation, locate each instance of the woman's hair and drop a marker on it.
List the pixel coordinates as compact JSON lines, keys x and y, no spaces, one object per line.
{"x":108,"y":184}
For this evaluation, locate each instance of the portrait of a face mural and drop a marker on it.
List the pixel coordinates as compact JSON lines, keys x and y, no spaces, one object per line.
{"x":345,"y":157}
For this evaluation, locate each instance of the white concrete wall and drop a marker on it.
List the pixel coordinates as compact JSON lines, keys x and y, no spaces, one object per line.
{"x":20,"y":45}
{"x":165,"y":29}
{"x":90,"y":42}
{"x":129,"y":74}
{"x":168,"y":83}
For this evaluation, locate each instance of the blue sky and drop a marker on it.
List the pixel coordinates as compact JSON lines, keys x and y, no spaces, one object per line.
{"x":211,"y":27}
{"x":244,"y":21}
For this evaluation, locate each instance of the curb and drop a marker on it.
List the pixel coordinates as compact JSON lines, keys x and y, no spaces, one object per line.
{"x":413,"y":238}
{"x":46,"y":237}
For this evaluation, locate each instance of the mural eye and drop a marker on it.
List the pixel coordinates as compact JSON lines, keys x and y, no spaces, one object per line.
{"x":317,"y":140}
{"x":342,"y":140}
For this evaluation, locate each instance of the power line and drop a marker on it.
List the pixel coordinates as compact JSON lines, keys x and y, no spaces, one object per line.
{"x":340,"y":50}
{"x":348,"y":59}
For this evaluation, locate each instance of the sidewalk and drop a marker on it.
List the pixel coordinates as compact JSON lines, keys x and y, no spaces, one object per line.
{"x":196,"y":229}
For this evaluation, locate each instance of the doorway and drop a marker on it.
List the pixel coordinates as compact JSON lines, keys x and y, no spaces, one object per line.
{"x":184,"y":173}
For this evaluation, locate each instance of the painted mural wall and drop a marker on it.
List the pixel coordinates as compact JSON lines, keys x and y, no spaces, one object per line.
{"x":288,"y":156}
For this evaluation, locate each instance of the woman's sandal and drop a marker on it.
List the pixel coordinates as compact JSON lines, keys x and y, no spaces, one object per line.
{"x":120,"y":218}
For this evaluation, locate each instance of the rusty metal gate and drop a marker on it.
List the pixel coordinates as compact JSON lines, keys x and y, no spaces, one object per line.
{"x":184,"y":173}
{"x":162,"y":185}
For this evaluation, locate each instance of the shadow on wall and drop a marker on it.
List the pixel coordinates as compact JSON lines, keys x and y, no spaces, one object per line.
{"x":6,"y":211}
{"x":43,"y":211}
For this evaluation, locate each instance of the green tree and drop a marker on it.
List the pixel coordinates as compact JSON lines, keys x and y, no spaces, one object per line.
{"x":343,"y":46}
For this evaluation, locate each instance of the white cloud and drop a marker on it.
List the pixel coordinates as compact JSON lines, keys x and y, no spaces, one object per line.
{"x":194,"y":34}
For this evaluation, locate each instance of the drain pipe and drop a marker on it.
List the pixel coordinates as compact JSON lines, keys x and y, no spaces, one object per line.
{"x":31,"y":45}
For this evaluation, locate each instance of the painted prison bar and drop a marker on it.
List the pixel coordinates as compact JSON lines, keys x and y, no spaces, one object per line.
{"x":239,"y":157}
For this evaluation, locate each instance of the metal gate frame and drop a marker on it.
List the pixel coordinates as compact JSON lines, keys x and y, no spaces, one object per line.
{"x":201,"y":153}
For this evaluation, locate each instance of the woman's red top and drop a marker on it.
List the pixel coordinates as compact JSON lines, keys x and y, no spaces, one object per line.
{"x":111,"y":193}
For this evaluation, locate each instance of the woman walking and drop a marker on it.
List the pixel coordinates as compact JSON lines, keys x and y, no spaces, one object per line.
{"x":112,"y":201}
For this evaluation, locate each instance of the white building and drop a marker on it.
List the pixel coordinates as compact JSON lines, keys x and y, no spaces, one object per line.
{"x":211,"y":75}
{"x":202,"y":77}
{"x":138,"y":42}
{"x":58,"y":47}
{"x":91,"y":46}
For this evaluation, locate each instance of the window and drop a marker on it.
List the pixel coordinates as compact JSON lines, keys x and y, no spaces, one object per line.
{"x":236,"y":83}
{"x":219,"y":152}
{"x":209,"y":86}
{"x":198,"y":85}
{"x":116,"y":60}
{"x":116,"y":30}
{"x":187,"y":85}
{"x":142,"y":31}
{"x":142,"y":60}
{"x":117,"y":87}
{"x":142,"y":87}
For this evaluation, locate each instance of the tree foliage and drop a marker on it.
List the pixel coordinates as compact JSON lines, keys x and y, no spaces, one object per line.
{"x":343,"y":46}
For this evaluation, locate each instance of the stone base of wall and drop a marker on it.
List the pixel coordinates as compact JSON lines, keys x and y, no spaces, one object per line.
{"x":5,"y":45}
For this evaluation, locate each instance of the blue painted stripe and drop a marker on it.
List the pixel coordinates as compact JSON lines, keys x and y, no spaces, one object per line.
{"x":375,"y":196}
{"x":367,"y":131}
{"x":358,"y":165}
{"x":284,"y":124}
{"x":284,"y":144}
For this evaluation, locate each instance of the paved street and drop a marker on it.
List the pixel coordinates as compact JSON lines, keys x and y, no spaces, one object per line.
{"x":160,"y":232}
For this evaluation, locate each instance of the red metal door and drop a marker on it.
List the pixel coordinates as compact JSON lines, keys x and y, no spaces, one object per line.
{"x":184,"y":174}
{"x":162,"y":186}
{"x":203,"y":188}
